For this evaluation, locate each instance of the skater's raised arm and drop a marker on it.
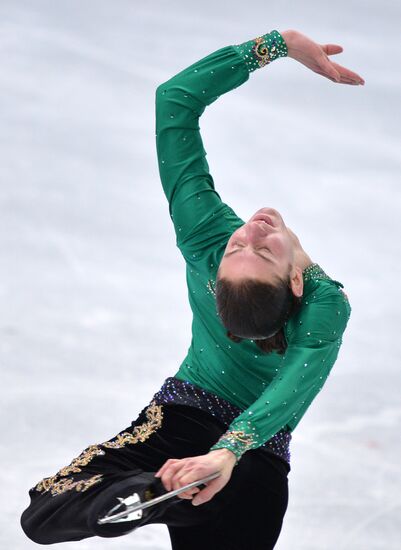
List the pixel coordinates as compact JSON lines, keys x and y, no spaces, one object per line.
{"x":200,"y":217}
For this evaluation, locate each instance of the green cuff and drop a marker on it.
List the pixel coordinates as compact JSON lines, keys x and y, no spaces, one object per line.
{"x":236,"y":441}
{"x":262,"y":50}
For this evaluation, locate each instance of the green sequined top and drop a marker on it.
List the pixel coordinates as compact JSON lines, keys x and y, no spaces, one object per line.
{"x":273,"y":390}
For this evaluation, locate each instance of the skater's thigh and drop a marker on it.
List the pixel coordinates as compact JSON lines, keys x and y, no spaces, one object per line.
{"x":251,"y":508}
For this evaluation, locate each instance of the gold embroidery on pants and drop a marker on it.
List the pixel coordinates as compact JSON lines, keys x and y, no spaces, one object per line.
{"x":68,"y":483}
{"x":82,"y":460}
{"x":154,"y":415}
{"x":46,"y":483}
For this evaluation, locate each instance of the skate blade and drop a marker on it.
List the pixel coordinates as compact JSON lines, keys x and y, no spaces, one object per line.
{"x":136,"y":505}
{"x":127,"y":502}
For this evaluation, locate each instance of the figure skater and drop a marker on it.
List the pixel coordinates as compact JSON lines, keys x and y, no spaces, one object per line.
{"x":266,"y":331}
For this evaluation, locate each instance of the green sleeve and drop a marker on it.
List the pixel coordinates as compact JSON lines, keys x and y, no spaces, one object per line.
{"x":195,"y":207}
{"x":314,"y":338}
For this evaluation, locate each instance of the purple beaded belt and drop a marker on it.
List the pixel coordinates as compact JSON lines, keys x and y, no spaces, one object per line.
{"x":182,"y":392}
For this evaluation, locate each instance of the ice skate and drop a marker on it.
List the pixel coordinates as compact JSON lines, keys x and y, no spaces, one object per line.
{"x":132,"y":507}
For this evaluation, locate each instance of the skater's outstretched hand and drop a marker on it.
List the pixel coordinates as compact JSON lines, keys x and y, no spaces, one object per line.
{"x":315,"y":57}
{"x":176,"y":473}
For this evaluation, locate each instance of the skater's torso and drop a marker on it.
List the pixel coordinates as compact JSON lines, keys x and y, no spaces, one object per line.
{"x":241,"y":372}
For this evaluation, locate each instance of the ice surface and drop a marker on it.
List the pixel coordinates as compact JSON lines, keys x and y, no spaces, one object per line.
{"x":93,"y":310}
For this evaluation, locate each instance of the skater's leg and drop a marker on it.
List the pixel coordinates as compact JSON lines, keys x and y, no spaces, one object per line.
{"x":52,"y":518}
{"x":252,"y":508}
{"x":63,"y":505}
{"x":60,"y":504}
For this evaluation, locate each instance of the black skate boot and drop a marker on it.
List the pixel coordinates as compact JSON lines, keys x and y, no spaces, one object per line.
{"x":139,"y":488}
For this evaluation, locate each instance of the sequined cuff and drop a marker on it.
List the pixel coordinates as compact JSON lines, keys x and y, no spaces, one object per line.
{"x":237,"y":441}
{"x":262,"y":50}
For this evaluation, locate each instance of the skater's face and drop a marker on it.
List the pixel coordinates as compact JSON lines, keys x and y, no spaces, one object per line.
{"x":261,"y":249}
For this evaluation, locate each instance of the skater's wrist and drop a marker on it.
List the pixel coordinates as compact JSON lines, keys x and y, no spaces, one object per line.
{"x":223,"y":451}
{"x":287,"y":37}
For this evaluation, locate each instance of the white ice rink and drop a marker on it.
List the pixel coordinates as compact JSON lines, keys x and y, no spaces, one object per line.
{"x":93,"y":307}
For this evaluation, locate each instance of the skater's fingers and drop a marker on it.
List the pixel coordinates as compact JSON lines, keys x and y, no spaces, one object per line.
{"x":169,"y":473}
{"x":337,"y":73}
{"x":190,"y":472}
{"x":331,"y":49}
{"x":344,"y":72}
{"x":185,"y":475}
{"x":190,"y":493}
{"x":208,"y":493}
{"x":166,"y":465}
{"x":178,"y":482}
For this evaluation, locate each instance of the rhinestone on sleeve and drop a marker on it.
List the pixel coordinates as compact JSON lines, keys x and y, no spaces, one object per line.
{"x":262,"y":50}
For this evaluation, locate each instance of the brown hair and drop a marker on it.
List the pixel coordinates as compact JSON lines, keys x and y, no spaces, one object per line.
{"x":257,"y":310}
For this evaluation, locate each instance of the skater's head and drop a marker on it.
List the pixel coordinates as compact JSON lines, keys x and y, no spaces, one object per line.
{"x":258,"y":287}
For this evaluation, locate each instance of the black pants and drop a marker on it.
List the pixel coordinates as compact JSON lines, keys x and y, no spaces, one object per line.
{"x":247,"y":514}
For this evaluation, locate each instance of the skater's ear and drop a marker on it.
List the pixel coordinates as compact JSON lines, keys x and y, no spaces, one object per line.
{"x":296,"y":281}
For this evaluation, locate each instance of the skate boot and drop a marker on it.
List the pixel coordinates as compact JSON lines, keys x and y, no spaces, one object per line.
{"x":139,"y":488}
{"x":140,"y":500}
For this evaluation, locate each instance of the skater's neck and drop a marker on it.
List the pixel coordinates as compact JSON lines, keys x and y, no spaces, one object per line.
{"x":301,"y":258}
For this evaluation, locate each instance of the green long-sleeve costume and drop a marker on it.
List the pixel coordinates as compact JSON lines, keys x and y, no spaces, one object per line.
{"x":273,"y":390}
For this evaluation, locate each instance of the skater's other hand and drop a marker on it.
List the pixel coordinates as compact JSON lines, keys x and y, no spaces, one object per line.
{"x":176,"y":473}
{"x":316,"y":57}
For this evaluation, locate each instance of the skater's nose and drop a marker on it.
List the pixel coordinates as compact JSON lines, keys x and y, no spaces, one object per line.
{"x":257,"y":231}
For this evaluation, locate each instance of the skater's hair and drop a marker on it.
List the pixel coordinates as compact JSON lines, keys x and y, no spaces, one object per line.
{"x":257,"y":310}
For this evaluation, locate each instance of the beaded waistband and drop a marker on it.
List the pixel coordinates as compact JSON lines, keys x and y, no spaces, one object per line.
{"x":183,"y":392}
